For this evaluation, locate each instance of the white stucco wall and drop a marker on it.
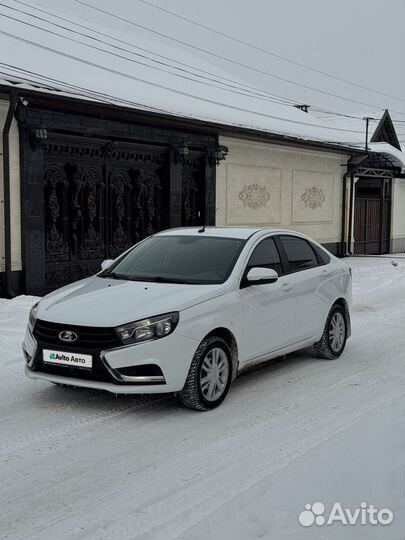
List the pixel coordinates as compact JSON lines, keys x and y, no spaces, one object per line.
{"x":398,"y":215}
{"x":14,"y":193}
{"x":269,"y":185}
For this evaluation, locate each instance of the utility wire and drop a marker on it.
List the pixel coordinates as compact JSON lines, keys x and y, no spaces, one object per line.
{"x":271,"y":53}
{"x":256,"y":92}
{"x":186,"y":94}
{"x":131,"y":60}
{"x":240,"y":64}
{"x":111,"y":97}
{"x":85,"y":92}
{"x":64,"y":88}
{"x":182,"y":76}
{"x":217,"y":78}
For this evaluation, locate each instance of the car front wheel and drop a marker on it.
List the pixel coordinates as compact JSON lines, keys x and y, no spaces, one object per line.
{"x":333,"y":340}
{"x":209,"y":377}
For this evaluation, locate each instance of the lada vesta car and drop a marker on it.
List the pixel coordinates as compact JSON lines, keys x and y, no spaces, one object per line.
{"x":187,"y":309}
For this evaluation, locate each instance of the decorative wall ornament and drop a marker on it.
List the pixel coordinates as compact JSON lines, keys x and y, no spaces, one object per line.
{"x":193,"y":189}
{"x":92,"y":238}
{"x":55,"y":182}
{"x":313,"y":197}
{"x":121,"y":191}
{"x":189,"y":189}
{"x":254,"y":196}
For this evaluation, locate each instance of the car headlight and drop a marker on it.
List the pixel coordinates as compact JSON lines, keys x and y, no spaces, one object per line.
{"x":32,"y":318}
{"x":147,"y":329}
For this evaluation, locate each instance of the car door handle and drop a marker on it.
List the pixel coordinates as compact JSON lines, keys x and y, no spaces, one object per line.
{"x":286,"y":287}
{"x":325,"y":272}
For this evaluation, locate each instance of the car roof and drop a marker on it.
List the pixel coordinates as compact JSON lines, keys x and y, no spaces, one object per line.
{"x":226,"y":232}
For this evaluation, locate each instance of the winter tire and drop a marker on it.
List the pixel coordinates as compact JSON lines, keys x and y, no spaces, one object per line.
{"x":209,"y":377}
{"x":333,"y":340}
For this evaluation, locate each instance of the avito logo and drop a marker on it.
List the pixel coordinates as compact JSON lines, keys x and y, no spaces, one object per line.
{"x":366,"y":514}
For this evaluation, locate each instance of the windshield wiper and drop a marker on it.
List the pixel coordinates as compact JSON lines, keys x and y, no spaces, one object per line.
{"x":152,"y":279}
{"x":162,"y":279}
{"x":113,"y":275}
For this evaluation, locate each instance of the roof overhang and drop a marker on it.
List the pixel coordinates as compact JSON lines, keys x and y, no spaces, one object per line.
{"x":73,"y":103}
{"x":382,"y":157}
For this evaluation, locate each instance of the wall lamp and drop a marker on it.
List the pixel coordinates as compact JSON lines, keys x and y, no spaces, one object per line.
{"x":181,"y":153}
{"x":39,"y":134}
{"x":217,"y":155}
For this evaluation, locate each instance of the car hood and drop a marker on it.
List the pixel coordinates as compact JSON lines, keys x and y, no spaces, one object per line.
{"x":107,"y":302}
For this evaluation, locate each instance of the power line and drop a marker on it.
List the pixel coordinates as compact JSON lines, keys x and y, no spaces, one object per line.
{"x":275,"y":55}
{"x":245,"y":88}
{"x":100,"y":96}
{"x":183,"y":76}
{"x":107,"y":98}
{"x":240,"y":64}
{"x":186,"y":94}
{"x":103,"y":50}
{"x":126,"y":58}
{"x":217,"y":78}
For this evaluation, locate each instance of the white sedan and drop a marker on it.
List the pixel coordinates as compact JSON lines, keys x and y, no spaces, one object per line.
{"x":186,"y":310}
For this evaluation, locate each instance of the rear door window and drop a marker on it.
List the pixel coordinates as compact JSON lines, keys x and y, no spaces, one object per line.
{"x":299,"y":252}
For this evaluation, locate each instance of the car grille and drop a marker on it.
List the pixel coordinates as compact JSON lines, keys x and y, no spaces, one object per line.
{"x":89,"y":337}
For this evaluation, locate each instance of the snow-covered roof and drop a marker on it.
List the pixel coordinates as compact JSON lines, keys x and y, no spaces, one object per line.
{"x":393,"y":154}
{"x":147,"y":75}
{"x":242,"y":112}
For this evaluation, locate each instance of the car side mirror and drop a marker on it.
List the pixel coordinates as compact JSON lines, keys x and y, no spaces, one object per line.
{"x":259,"y":276}
{"x":105,"y":264}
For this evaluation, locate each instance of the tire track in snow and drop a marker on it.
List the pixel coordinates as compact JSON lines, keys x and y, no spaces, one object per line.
{"x":76,"y":425}
{"x":251,"y":464}
{"x":186,"y":502}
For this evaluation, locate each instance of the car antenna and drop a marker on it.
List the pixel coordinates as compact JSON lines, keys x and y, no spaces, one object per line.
{"x":202,"y":229}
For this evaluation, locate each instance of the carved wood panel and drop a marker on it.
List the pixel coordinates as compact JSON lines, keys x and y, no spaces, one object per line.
{"x":100,"y":198}
{"x":193,"y":190}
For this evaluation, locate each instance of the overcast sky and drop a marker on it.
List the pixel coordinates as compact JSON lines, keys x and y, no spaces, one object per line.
{"x":358,"y":40}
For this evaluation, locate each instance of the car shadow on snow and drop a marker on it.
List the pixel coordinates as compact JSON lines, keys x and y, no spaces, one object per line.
{"x":92,"y":401}
{"x":281,"y":365}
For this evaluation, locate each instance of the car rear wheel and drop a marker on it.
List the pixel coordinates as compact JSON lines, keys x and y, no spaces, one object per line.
{"x":333,"y":340}
{"x":209,"y":377}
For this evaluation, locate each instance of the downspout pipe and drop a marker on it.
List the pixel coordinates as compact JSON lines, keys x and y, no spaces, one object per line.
{"x":351,"y":206}
{"x":7,"y":199}
{"x":343,"y":249}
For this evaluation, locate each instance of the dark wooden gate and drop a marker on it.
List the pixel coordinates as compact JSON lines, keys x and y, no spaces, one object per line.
{"x":372,"y":216}
{"x":94,"y":182}
{"x":193,"y":190}
{"x":100,"y":198}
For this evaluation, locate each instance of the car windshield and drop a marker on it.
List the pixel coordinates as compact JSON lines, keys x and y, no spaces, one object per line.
{"x":178,"y":259}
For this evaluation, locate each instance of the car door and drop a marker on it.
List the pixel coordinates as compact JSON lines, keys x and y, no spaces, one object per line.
{"x":305,"y":274}
{"x":268,"y":309}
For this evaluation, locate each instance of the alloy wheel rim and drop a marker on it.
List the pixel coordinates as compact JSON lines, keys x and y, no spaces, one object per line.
{"x":214,"y":374}
{"x":337,"y":330}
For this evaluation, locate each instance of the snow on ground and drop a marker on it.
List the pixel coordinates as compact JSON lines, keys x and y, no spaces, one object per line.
{"x":82,"y":464}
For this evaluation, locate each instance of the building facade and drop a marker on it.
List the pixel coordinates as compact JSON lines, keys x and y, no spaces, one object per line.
{"x":84,"y":187}
{"x":82,"y":181}
{"x":284,"y":186}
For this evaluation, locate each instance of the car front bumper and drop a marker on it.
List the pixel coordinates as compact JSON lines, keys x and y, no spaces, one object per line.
{"x":172,"y":355}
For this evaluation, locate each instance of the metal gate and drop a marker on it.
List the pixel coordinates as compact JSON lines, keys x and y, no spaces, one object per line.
{"x":372,"y":216}
{"x":101,"y":197}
